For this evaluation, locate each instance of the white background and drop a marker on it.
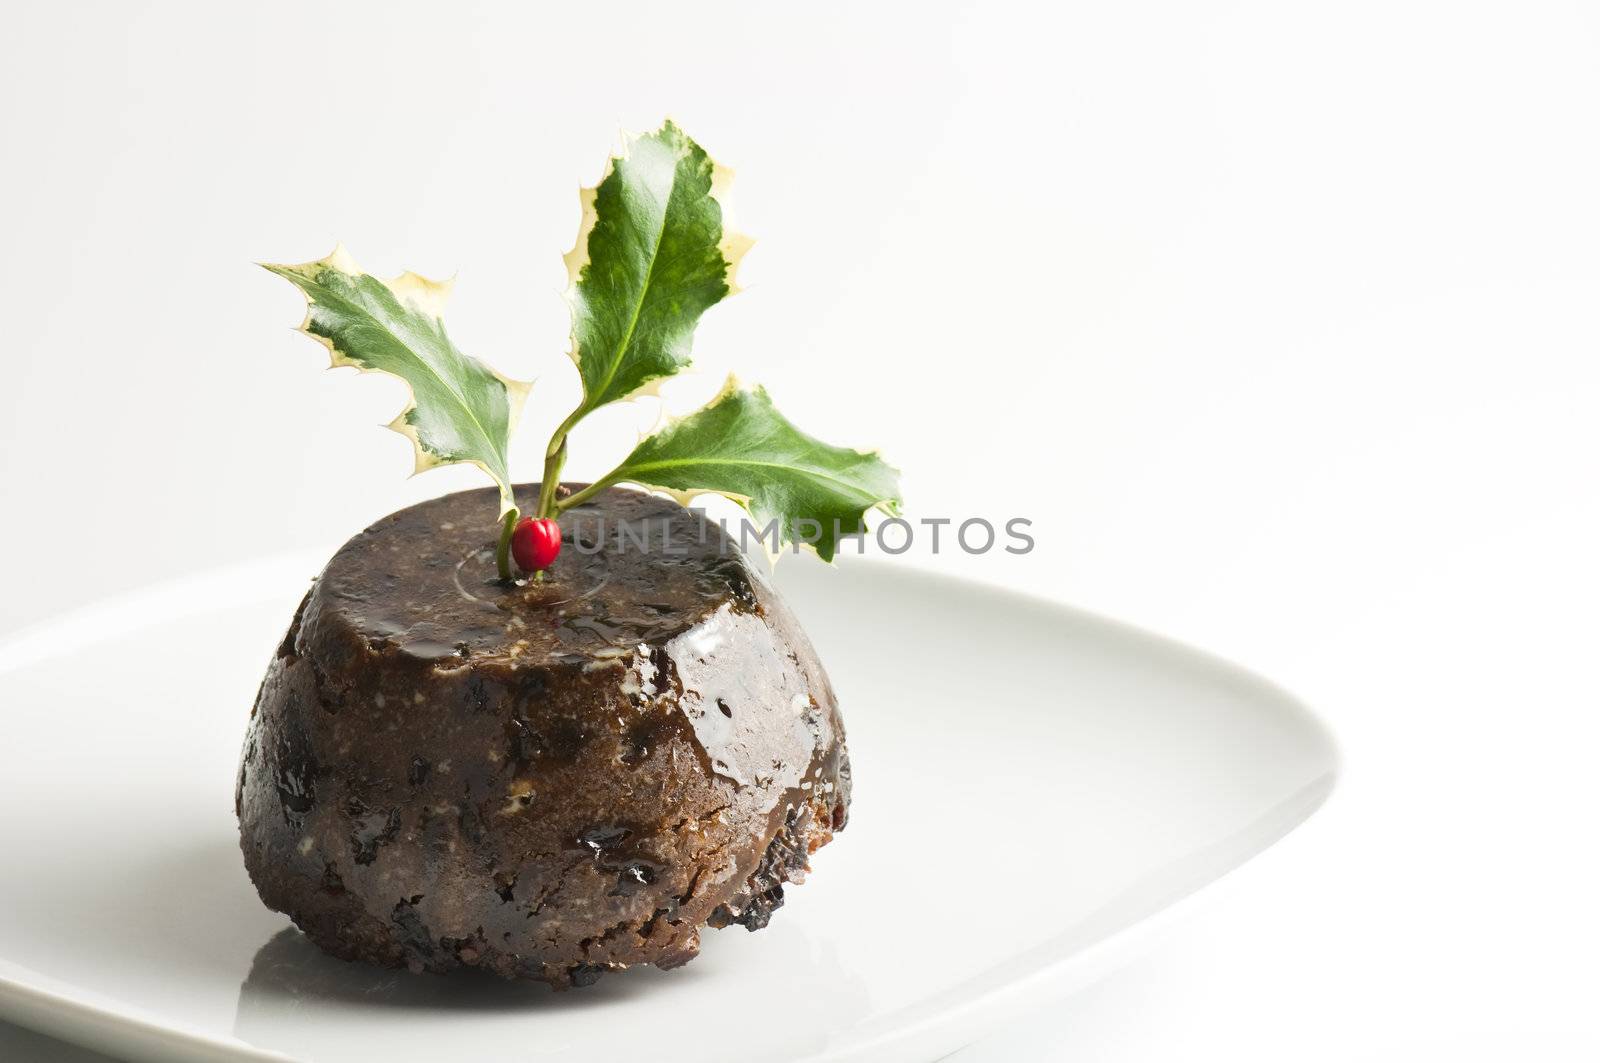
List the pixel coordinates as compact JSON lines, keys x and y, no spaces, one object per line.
{"x":1279,"y":320}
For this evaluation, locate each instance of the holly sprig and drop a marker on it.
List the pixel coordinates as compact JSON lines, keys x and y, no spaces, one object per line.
{"x":652,"y":255}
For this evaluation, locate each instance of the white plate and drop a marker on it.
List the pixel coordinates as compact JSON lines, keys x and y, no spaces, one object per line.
{"x":1032,"y":784}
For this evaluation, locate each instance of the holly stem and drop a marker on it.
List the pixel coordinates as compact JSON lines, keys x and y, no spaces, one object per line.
{"x":502,"y":553}
{"x":580,"y":497}
{"x":555,"y":456}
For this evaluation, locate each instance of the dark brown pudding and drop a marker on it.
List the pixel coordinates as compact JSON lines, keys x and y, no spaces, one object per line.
{"x":547,"y":781}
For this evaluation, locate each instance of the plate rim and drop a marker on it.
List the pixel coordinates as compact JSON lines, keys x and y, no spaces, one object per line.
{"x":30,"y":998}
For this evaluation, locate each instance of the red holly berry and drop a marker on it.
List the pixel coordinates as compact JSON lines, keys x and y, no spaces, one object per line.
{"x":535,"y":543}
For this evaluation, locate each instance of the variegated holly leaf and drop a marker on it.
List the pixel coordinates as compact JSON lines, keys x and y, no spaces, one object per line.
{"x":651,"y":257}
{"x":741,"y":446}
{"x":460,"y":409}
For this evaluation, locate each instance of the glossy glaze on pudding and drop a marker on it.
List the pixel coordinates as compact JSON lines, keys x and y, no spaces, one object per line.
{"x":550,"y":780}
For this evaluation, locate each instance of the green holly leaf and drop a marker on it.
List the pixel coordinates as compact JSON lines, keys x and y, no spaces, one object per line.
{"x":651,"y":257}
{"x":460,"y":409}
{"x":742,"y":447}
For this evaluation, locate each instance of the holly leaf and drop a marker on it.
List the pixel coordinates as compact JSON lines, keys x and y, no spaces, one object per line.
{"x":460,"y":409}
{"x":740,"y":446}
{"x":651,"y":257}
